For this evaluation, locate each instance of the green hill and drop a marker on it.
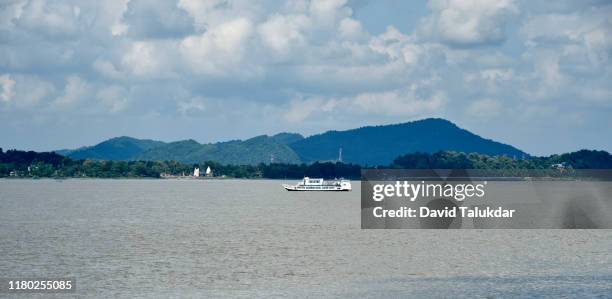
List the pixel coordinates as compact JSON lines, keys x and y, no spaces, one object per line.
{"x":287,"y":138}
{"x":379,"y":145}
{"x":373,"y":145}
{"x":251,"y":151}
{"x":116,"y":149}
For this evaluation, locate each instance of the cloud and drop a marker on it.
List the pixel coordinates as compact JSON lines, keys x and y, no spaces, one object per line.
{"x":113,"y":97}
{"x":156,"y":19}
{"x":484,"y":109}
{"x":23,"y":91}
{"x":141,"y":59}
{"x":220,"y":49}
{"x":108,"y":69}
{"x":566,"y":48}
{"x":76,"y":90}
{"x":10,"y":11}
{"x":8,"y":85}
{"x":329,"y":11}
{"x":192,"y":107}
{"x":244,"y":68}
{"x":396,"y":103}
{"x":51,"y":18}
{"x":468,"y":22}
{"x":281,"y":32}
{"x":588,"y":32}
{"x":492,"y":80}
{"x":299,"y":110}
{"x":351,"y":29}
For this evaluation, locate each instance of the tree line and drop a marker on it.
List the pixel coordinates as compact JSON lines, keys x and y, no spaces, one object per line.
{"x":583,"y":159}
{"x":15,"y":163}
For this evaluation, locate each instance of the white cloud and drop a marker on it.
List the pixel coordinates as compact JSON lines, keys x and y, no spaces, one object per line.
{"x":142,"y":59}
{"x":395,"y":103}
{"x":491,"y":79}
{"x":351,"y":29}
{"x":390,"y":42}
{"x":218,"y":50}
{"x":301,"y":109}
{"x":23,"y":92}
{"x":113,"y":97}
{"x":10,"y":12}
{"x":76,"y":90}
{"x":599,"y":44}
{"x":468,"y":22}
{"x":155,"y":19}
{"x":567,"y":48}
{"x":281,"y":32}
{"x":211,"y":13}
{"x":107,"y":69}
{"x":191,"y":107}
{"x":493,"y":75}
{"x":569,"y":27}
{"x":329,"y":11}
{"x":589,"y":32}
{"x":32,"y":91}
{"x":8,"y":85}
{"x":53,"y":18}
{"x":163,"y":59}
{"x":484,"y":109}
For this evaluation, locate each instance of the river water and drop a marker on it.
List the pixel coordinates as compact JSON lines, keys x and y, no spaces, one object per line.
{"x":250,"y":238}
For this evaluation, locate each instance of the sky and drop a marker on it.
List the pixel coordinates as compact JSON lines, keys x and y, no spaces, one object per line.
{"x":533,"y":74}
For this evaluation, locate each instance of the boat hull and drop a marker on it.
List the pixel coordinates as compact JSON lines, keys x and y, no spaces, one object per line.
{"x":317,"y":188}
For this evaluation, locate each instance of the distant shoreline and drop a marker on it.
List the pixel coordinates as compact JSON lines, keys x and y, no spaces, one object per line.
{"x":34,"y":165}
{"x":140,"y":178}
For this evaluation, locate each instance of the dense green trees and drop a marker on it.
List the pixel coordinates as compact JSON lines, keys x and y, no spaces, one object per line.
{"x":33,"y":164}
{"x":583,"y":159}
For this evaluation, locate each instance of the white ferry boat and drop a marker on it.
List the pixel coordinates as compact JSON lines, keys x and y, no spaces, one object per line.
{"x":308,"y":184}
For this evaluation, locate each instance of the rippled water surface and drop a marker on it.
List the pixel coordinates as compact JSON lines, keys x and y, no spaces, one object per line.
{"x":220,"y":238}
